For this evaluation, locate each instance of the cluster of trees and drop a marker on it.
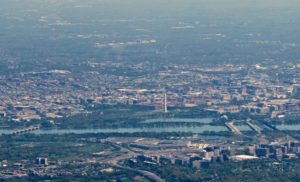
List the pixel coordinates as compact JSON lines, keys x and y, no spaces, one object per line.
{"x":259,"y":170}
{"x":55,"y":147}
{"x":129,"y":116}
{"x":94,"y":174}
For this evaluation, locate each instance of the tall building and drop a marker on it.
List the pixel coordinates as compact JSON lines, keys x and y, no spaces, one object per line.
{"x":41,"y":161}
{"x":262,"y":152}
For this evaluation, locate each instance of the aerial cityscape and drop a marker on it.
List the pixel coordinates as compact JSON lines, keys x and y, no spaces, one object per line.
{"x":146,"y":91}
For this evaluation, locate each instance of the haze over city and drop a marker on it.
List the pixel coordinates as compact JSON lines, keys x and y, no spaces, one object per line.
{"x":160,"y":90}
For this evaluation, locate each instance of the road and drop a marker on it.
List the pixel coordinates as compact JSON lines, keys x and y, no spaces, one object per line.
{"x":233,"y":128}
{"x":127,"y":154}
{"x":254,"y":127}
{"x":147,"y":174}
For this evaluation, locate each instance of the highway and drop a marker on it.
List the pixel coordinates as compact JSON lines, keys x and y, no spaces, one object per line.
{"x":254,"y":127}
{"x":233,"y":128}
{"x":127,"y":154}
{"x":147,"y":174}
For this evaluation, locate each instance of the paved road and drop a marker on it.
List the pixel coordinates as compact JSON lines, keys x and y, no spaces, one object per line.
{"x":127,"y":154}
{"x":233,"y":128}
{"x":254,"y":127}
{"x":147,"y":174}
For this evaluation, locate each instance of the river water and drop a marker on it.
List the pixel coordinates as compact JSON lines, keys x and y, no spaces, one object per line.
{"x":192,"y":129}
{"x":290,"y":127}
{"x":197,"y":129}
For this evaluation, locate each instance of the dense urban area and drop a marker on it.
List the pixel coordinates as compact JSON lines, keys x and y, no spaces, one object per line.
{"x":258,"y":90}
{"x":147,"y":120}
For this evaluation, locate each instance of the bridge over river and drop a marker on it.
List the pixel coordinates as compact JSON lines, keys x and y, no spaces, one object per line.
{"x":21,"y":130}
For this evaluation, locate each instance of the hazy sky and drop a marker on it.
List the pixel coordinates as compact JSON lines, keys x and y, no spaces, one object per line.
{"x":38,"y":24}
{"x":149,"y":7}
